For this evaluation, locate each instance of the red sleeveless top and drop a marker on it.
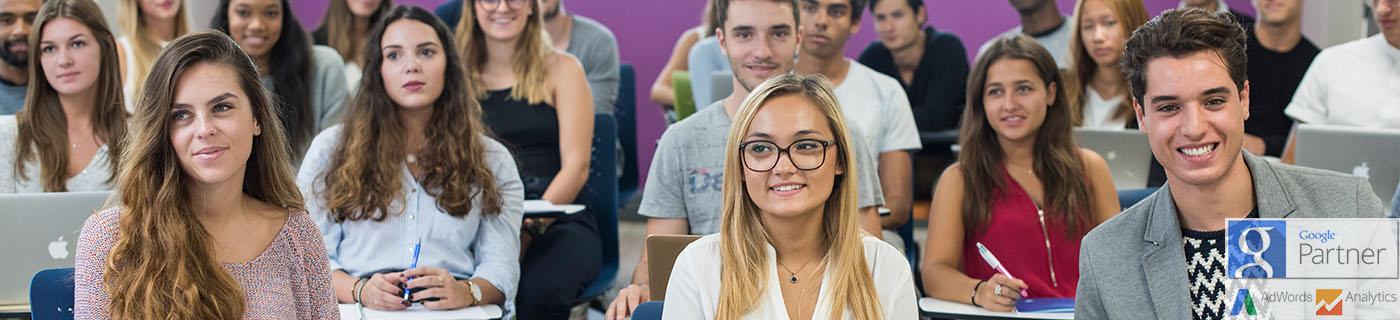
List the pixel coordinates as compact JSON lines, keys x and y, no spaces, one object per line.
{"x":1034,"y":250}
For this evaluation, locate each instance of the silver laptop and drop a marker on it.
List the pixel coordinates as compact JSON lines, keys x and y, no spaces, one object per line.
{"x":1126,"y":151}
{"x":1366,"y":152}
{"x":40,"y":231}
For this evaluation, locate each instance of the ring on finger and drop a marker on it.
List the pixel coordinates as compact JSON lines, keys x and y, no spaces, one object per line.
{"x":997,"y":291}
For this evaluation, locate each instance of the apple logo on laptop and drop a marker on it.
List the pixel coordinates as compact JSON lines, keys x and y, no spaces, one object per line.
{"x":1111,"y":155}
{"x":58,"y":249}
{"x":1361,"y":171}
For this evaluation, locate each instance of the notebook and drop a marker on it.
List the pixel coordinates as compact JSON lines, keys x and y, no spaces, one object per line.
{"x":418,"y":312}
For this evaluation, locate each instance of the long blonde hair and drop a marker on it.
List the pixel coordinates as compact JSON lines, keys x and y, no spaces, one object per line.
{"x":43,"y":127}
{"x":1130,"y":15}
{"x":743,"y":240}
{"x":163,"y":263}
{"x":144,"y":48}
{"x":533,"y":52}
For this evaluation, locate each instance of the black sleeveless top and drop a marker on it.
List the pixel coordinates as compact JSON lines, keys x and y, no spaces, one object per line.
{"x":530,"y":132}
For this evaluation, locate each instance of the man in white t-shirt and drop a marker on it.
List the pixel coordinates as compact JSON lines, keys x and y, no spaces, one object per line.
{"x":1355,"y":83}
{"x":872,"y":101}
{"x":1041,"y":20}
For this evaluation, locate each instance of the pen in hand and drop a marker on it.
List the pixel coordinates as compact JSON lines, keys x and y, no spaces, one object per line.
{"x":406,"y":292}
{"x":996,"y":264}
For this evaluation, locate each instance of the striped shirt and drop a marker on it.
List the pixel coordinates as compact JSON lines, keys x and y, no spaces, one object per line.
{"x":476,"y":245}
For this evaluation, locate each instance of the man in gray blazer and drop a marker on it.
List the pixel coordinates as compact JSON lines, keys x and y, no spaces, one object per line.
{"x":1164,"y":257}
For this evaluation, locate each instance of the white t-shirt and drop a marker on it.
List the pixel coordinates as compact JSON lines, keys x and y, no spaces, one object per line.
{"x":352,"y":77}
{"x":877,"y":104}
{"x":1098,"y":112}
{"x":1057,"y":42}
{"x":1352,"y":84}
{"x":693,"y":290}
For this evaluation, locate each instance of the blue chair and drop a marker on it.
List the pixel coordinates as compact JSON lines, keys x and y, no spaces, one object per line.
{"x":650,"y":310}
{"x":1129,"y":197}
{"x":600,"y":195}
{"x":51,"y":294}
{"x":626,"y":113}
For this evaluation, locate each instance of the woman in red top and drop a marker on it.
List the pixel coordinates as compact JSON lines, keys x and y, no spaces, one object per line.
{"x":1016,"y":146}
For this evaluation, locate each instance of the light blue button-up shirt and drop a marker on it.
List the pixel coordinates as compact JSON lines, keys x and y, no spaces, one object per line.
{"x":476,"y":245}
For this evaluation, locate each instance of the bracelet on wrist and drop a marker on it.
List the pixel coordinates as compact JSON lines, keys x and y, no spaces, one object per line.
{"x":974,"y":292}
{"x":358,"y":288}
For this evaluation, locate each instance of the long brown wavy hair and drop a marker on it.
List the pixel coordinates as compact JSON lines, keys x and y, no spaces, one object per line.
{"x":144,"y":48}
{"x":1130,"y":15}
{"x":164,"y":263}
{"x":743,"y":239}
{"x":42,"y":125}
{"x":366,"y":175}
{"x":337,"y":26}
{"x":533,"y":52}
{"x":1054,"y":154}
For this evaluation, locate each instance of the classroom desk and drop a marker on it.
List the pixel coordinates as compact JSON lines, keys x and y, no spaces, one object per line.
{"x":941,"y":309}
{"x":14,"y":311}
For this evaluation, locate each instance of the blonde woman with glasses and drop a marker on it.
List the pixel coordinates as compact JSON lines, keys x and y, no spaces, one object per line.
{"x":790,"y":244}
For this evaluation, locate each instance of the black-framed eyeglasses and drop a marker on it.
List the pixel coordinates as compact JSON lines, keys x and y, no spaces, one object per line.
{"x":496,"y":4}
{"x":763,"y":155}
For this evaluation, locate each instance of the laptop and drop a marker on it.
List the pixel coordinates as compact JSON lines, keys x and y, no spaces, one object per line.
{"x":1128,"y":155}
{"x":40,"y":231}
{"x":662,"y":250}
{"x":1368,"y":152}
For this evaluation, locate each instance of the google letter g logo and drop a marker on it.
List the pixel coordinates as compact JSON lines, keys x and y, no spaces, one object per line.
{"x":1255,"y":249}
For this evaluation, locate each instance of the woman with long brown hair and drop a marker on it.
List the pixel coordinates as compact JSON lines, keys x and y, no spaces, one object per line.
{"x":537,"y":102}
{"x":147,"y":26}
{"x":1097,"y":90}
{"x":210,"y":224}
{"x":1020,"y":179}
{"x":70,"y":134}
{"x":346,"y":28}
{"x":412,"y":170}
{"x":790,"y":210}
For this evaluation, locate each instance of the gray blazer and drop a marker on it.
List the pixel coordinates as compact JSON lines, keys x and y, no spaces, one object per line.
{"x":1134,"y":266}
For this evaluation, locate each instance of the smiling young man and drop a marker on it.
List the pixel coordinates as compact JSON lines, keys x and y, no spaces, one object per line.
{"x":683,"y":192}
{"x":872,"y":101}
{"x":1164,"y":257}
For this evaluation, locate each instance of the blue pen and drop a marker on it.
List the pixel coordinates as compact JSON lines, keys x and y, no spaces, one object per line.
{"x":416,"y":247}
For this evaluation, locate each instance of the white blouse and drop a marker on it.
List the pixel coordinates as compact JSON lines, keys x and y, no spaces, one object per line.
{"x":94,"y":176}
{"x":693,"y":290}
{"x":1098,"y":112}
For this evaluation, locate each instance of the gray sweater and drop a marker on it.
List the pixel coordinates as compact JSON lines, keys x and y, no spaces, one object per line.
{"x":596,"y":48}
{"x":1133,"y":267}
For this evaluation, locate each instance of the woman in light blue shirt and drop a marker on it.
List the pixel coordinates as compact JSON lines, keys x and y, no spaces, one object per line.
{"x":411,"y":165}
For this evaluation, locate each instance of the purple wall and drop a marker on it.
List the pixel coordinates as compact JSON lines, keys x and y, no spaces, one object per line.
{"x":647,"y":30}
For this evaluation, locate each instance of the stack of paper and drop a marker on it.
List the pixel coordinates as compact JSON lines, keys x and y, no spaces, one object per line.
{"x":544,"y":207}
{"x":418,"y":312}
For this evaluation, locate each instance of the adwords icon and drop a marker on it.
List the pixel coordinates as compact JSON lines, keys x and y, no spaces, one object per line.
{"x":1243,"y":302}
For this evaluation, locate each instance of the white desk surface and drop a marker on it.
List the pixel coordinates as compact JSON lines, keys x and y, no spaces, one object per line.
{"x":352,"y":312}
{"x":941,"y":308}
{"x":14,"y":309}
